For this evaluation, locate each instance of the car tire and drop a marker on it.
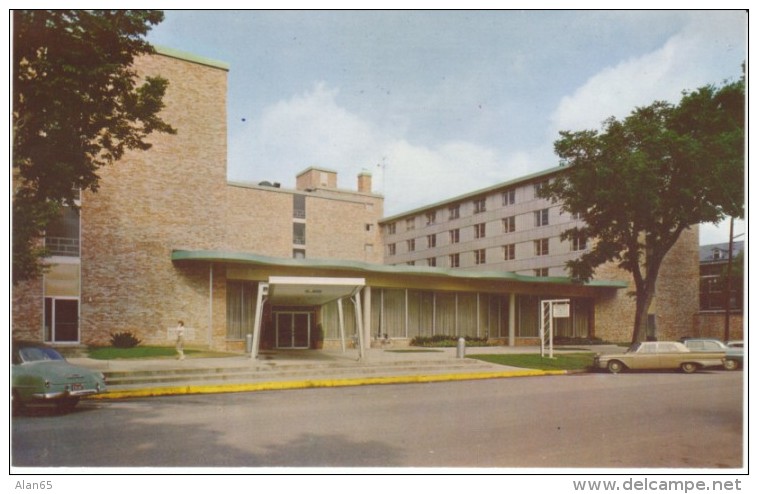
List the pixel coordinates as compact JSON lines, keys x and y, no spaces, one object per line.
{"x":65,"y":405}
{"x":17,"y":405}
{"x":731,"y":365}
{"x":614,"y":366}
{"x":689,"y":367}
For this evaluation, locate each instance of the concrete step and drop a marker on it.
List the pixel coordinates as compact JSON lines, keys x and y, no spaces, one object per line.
{"x":236,"y":374}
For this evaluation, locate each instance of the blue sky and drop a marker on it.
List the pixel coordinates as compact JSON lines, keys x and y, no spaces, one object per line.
{"x":441,"y":103}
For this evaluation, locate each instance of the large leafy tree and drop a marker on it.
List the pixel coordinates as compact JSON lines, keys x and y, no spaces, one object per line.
{"x":638,"y":183}
{"x":77,"y":106}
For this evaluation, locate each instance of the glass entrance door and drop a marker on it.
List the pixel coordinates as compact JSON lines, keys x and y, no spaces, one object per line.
{"x":293,"y":329}
{"x":61,"y":320}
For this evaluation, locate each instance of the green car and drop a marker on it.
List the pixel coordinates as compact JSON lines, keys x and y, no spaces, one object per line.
{"x":40,"y":375}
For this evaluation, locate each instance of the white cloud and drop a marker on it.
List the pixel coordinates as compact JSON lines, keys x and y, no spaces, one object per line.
{"x":705,"y":52}
{"x":311,"y":129}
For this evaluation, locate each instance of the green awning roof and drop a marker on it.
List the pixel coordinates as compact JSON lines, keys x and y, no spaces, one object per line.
{"x":256,"y":259}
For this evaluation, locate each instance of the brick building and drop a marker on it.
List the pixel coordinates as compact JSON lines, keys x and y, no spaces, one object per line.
{"x":167,"y":237}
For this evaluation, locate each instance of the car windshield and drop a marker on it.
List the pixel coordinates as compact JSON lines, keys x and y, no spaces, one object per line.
{"x":36,"y":354}
{"x":634,"y":348}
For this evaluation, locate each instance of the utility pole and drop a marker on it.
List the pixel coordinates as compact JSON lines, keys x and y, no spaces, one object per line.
{"x":728,"y":288}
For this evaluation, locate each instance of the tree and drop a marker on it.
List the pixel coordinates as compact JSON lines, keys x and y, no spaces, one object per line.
{"x":640,"y":182}
{"x":77,"y":107}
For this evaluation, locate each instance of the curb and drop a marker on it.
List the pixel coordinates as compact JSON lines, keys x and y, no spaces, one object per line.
{"x":312,"y":383}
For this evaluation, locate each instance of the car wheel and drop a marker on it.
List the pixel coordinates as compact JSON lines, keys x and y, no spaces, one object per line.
{"x":614,"y":366}
{"x":17,"y":404}
{"x":731,"y":364}
{"x":65,"y":405}
{"x":689,"y":367}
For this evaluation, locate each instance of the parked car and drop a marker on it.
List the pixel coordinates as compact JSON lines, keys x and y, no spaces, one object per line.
{"x":734,"y":354}
{"x":40,"y":375}
{"x":659,"y":355}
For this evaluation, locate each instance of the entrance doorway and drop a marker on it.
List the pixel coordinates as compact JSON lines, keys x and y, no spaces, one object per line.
{"x":293,"y":329}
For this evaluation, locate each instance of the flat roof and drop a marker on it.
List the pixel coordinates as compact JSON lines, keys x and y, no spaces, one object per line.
{"x":479,"y":192}
{"x":432,"y":272}
{"x":190,"y":57}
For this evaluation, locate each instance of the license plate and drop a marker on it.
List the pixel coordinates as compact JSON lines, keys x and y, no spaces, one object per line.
{"x":77,"y":387}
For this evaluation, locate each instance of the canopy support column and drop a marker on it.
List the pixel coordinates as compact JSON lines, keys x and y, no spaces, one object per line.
{"x":341,"y":323}
{"x":359,"y":323}
{"x":262,"y":292}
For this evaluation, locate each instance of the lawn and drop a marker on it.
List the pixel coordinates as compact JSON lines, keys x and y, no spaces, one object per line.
{"x":563,"y":361}
{"x":110,"y":353}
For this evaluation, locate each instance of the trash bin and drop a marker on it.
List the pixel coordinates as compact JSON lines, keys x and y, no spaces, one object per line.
{"x":249,"y":343}
{"x":461,"y":349}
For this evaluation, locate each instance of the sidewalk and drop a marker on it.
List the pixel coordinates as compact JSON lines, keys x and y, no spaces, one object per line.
{"x":296,"y":369}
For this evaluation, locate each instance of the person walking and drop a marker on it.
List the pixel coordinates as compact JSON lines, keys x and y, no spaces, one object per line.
{"x":180,"y":340}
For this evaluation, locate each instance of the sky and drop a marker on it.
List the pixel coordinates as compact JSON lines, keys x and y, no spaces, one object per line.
{"x":441,"y":103}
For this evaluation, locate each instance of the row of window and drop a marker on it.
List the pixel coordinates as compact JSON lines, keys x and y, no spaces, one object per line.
{"x":541,"y":246}
{"x":508,"y":198}
{"x":480,"y":257}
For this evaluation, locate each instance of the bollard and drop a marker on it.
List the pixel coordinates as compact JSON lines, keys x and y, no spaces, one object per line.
{"x":249,"y":343}
{"x":461,"y":353}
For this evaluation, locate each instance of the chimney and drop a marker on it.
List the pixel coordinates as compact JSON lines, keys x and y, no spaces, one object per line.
{"x":364,"y":182}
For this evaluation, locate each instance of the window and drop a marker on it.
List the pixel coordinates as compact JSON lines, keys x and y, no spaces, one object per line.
{"x":431,"y":241}
{"x":541,"y":272}
{"x":61,"y":320}
{"x":410,"y":224}
{"x":509,"y":252}
{"x":411,"y":244}
{"x":298,"y":206}
{"x":541,"y":217}
{"x":432,"y":262}
{"x":411,"y":263}
{"x":509,"y":197}
{"x":298,"y":253}
{"x":455,"y":236}
{"x":480,"y":256}
{"x":539,"y":186}
{"x":541,"y":247}
{"x":455,"y":260}
{"x":455,"y":212}
{"x":431,"y":218}
{"x":369,"y":227}
{"x":298,"y":233}
{"x":576,"y":216}
{"x":480,"y":205}
{"x":509,"y":224}
{"x":391,"y":249}
{"x":578,"y":244}
{"x":62,"y":234}
{"x":391,"y":228}
{"x":480,"y":230}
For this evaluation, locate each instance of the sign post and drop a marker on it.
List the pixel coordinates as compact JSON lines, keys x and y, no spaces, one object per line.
{"x":551,"y":309}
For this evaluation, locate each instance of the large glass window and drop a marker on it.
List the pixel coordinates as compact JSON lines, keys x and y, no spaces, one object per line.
{"x":241,"y":297}
{"x":62,"y":235}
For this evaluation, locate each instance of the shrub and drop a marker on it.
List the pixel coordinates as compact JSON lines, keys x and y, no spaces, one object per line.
{"x":125,"y":339}
{"x":440,"y":340}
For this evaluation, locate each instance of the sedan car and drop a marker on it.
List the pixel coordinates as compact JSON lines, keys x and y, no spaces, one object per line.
{"x":734,"y":355}
{"x":659,"y":355}
{"x":40,"y":375}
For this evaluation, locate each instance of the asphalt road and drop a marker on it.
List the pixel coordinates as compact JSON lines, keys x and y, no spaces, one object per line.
{"x":650,"y":420}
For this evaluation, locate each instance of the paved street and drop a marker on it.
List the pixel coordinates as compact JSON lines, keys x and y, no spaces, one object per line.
{"x":666,"y":420}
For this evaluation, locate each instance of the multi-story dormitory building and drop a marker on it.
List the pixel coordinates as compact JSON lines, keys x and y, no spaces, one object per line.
{"x":167,"y":237}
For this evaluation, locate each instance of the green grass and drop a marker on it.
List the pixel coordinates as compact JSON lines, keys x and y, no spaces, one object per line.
{"x":111,"y":353}
{"x":415,"y":350}
{"x":563,"y":361}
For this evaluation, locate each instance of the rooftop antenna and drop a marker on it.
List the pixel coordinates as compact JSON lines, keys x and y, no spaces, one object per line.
{"x":382,"y":166}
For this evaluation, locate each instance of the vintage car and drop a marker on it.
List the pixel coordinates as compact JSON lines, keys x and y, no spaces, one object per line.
{"x":734,"y":355}
{"x":650,"y":355}
{"x":40,"y":375}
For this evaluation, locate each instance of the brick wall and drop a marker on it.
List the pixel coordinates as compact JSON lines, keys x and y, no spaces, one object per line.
{"x":676,"y":299}
{"x":149,"y":203}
